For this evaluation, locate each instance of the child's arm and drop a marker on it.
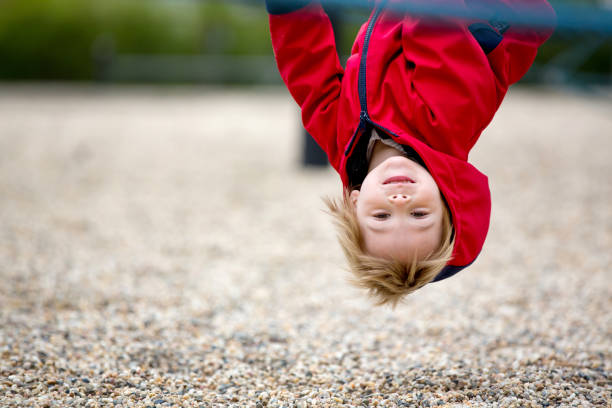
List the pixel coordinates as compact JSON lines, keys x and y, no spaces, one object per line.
{"x":453,"y":85}
{"x":520,"y":44}
{"x":307,"y":59}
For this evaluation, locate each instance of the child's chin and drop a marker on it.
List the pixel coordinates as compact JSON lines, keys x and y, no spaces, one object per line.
{"x":400,"y":161}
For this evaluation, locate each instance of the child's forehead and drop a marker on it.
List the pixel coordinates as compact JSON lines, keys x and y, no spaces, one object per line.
{"x":402,"y":241}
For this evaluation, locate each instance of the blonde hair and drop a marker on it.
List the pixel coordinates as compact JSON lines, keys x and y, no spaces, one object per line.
{"x":387,"y":281}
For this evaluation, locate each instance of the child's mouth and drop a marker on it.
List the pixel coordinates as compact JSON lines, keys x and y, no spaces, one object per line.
{"x":398,"y":180}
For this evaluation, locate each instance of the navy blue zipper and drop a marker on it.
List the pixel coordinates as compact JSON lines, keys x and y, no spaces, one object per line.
{"x":363,"y":63}
{"x":364,"y":118}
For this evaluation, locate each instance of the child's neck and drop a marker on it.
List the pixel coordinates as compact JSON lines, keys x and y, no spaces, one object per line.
{"x":380,"y":153}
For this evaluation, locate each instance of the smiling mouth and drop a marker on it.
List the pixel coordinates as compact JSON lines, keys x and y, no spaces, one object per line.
{"x":398,"y":180}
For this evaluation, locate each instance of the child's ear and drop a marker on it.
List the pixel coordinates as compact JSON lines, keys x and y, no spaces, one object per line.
{"x":354,"y":196}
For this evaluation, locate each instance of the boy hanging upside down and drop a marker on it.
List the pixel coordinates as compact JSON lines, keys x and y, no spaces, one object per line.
{"x":398,"y":122}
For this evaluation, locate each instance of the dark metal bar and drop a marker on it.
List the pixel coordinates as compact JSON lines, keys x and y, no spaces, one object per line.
{"x":570,"y":16}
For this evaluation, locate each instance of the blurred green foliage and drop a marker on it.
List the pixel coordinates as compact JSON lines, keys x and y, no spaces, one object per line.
{"x":55,"y":39}
{"x":63,"y":39}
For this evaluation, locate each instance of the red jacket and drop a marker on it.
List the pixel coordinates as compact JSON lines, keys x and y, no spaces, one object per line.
{"x":432,"y":87}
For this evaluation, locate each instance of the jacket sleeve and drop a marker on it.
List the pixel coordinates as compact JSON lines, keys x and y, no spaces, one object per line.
{"x":305,"y":51}
{"x":454,"y":81}
{"x":519,"y":46}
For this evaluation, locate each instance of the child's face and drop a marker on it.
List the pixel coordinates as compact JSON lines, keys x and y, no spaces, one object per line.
{"x":399,"y":209}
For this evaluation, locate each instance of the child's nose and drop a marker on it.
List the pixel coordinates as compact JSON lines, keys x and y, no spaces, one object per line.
{"x":399,"y":198}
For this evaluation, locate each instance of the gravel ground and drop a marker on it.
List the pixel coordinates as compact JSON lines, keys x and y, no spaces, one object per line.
{"x":162,"y":247}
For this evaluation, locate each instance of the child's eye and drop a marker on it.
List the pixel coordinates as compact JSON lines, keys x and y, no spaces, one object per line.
{"x":381,"y":216}
{"x":419,"y":214}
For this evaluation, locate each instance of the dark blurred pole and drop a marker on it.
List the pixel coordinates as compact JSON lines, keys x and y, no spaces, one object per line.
{"x":102,"y":54}
{"x":312,"y":154}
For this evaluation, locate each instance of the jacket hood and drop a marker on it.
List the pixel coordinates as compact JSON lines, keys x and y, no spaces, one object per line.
{"x":467,"y":195}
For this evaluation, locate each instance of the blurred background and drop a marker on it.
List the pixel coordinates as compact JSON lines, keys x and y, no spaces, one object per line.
{"x":213,"y":41}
